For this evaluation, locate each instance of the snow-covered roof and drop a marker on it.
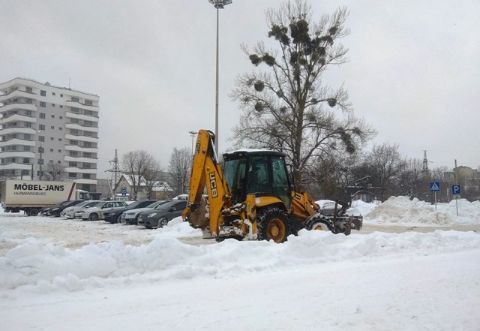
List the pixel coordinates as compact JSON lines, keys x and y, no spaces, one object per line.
{"x":158,"y":186}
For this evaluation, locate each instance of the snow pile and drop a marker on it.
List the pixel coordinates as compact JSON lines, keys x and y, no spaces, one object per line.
{"x":402,"y":210}
{"x":361,"y":208}
{"x":44,"y":266}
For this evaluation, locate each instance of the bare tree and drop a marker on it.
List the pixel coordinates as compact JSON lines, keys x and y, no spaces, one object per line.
{"x":179,"y":168}
{"x":136,"y":165}
{"x":54,"y":171}
{"x":152,"y":177}
{"x":287,"y":107}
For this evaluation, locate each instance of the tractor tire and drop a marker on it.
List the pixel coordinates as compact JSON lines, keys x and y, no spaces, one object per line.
{"x":273,"y":224}
{"x":93,"y":217}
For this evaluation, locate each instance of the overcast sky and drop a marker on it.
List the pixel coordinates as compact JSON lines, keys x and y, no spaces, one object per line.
{"x":413,"y":72}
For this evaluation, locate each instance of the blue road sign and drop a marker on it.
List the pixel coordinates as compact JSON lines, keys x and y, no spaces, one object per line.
{"x":434,"y":186}
{"x":456,"y":189}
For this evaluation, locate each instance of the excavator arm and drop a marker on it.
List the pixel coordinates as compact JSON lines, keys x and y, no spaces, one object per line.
{"x":206,"y":173}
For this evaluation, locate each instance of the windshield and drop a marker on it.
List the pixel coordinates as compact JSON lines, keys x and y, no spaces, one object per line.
{"x":166,"y":206}
{"x":134,"y":205}
{"x":156,"y":204}
{"x":235,"y":176}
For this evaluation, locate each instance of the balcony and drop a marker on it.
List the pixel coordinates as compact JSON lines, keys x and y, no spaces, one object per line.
{"x":13,"y":166}
{"x":15,"y":106}
{"x":75,"y":126}
{"x":81,"y":149}
{"x":16,"y":118}
{"x":77,"y":104}
{"x":81,"y":138}
{"x":16,"y":141}
{"x":17,"y":130}
{"x":18,"y":94}
{"x":80,"y":171}
{"x":80,"y":159}
{"x":81,"y":117}
{"x":23,"y":154}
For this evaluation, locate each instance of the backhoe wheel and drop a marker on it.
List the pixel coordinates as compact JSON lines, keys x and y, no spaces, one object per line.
{"x":273,"y":225}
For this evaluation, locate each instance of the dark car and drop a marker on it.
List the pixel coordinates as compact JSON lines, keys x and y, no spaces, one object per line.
{"x":57,"y":210}
{"x":163,"y":214}
{"x":51,"y":211}
{"x":114,"y":215}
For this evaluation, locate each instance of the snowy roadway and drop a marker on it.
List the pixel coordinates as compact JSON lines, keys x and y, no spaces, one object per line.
{"x":71,"y":275}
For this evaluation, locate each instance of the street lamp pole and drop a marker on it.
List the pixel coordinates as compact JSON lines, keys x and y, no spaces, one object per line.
{"x":218,"y":4}
{"x":192,"y":134}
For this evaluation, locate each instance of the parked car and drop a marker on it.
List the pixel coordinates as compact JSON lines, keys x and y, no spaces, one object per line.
{"x":160,"y":216}
{"x":47,"y":211}
{"x":115,"y":215}
{"x":131,"y":216}
{"x":57,"y":211}
{"x":97,"y":211}
{"x":76,"y":211}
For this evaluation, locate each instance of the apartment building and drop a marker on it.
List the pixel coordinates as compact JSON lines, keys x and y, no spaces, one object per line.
{"x":48,"y":132}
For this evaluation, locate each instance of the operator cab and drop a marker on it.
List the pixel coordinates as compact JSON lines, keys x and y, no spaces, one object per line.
{"x":262,"y":172}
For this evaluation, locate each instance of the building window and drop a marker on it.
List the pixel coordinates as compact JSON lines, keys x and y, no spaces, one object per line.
{"x":59,"y":139}
{"x":75,"y":99}
{"x":88,"y":102}
{"x":41,"y":138}
{"x":28,"y":89}
{"x":86,"y":176}
{"x":52,"y":127}
{"x":72,"y":175}
{"x":51,"y":138}
{"x":61,"y":95}
{"x":53,"y":93}
{"x":42,"y":115}
{"x":59,"y":150}
{"x":41,"y":149}
{"x":61,"y":117}
{"x":25,"y":160}
{"x":72,"y":164}
{"x":53,"y":105}
{"x":51,"y":149}
{"x":41,"y":127}
{"x":43,"y":104}
{"x":43,"y":93}
{"x":53,"y":116}
{"x":60,"y":129}
{"x":59,"y":162}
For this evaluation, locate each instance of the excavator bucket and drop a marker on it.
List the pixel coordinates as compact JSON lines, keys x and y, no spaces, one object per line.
{"x":198,"y":218}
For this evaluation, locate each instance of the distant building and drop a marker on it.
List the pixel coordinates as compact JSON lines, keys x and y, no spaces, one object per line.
{"x":50,"y":131}
{"x":146,"y":190}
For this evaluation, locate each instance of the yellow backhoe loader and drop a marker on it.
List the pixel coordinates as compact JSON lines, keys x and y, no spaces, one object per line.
{"x":251,"y":197}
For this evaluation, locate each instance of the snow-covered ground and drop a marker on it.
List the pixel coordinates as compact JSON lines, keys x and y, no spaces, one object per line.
{"x":72,"y":275}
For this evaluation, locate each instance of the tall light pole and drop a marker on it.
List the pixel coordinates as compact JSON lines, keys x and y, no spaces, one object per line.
{"x":218,"y":4}
{"x":192,"y":134}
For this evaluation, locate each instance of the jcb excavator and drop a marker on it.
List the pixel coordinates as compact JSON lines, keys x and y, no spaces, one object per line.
{"x":251,"y":197}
